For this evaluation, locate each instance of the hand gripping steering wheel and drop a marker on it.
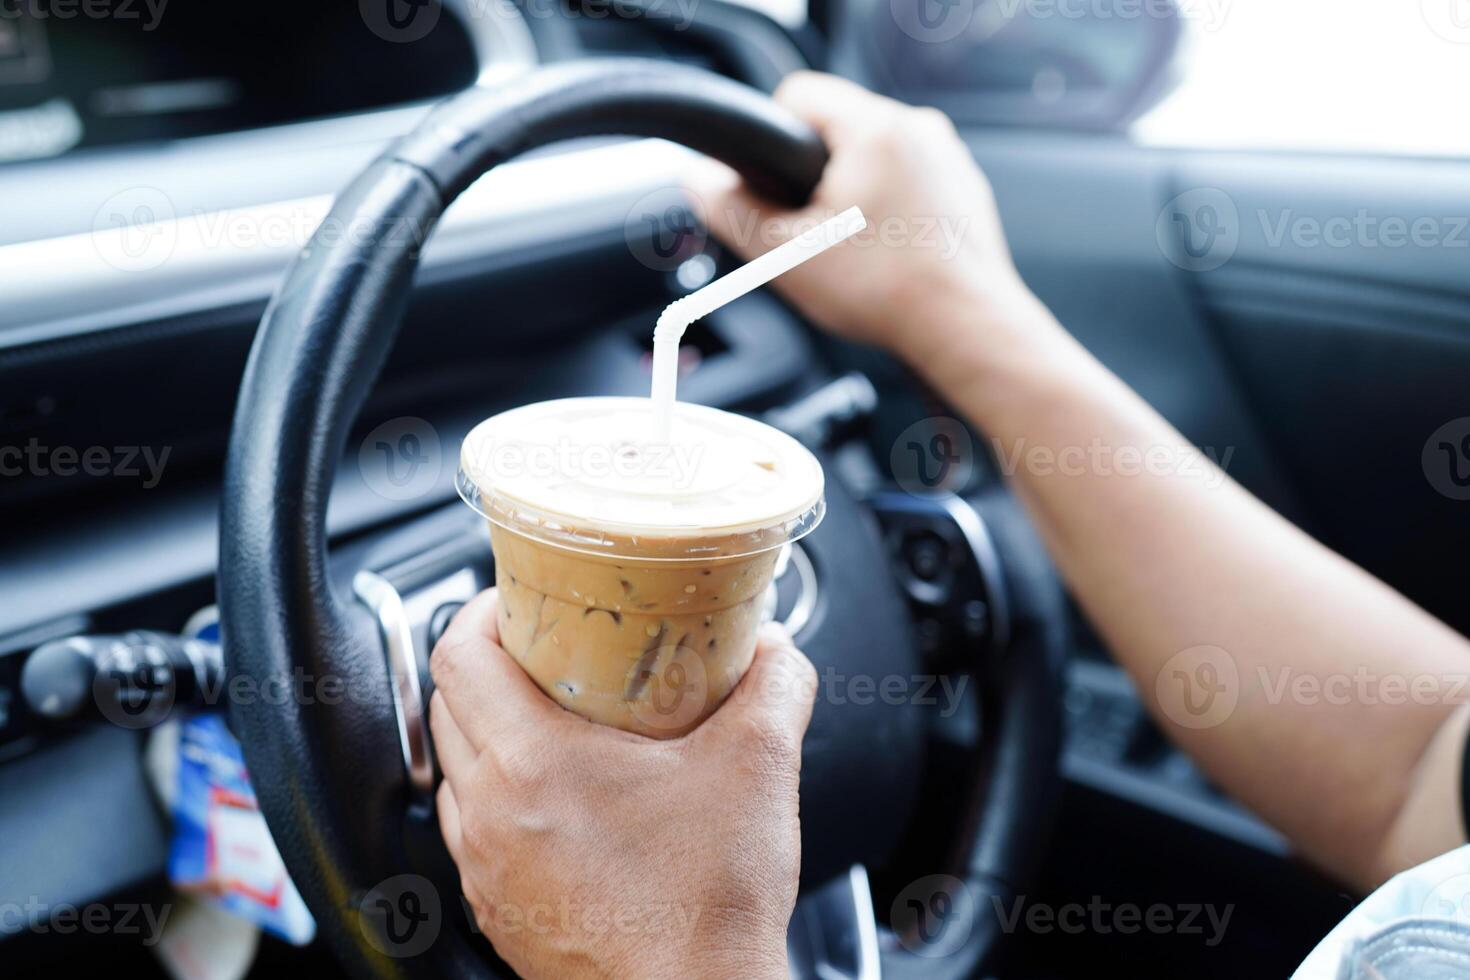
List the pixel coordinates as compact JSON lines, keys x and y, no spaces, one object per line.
{"x":348,"y":808}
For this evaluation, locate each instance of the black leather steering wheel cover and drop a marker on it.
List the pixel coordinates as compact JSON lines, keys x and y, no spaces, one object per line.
{"x":778,"y":155}
{"x":332,"y":801}
{"x":326,"y":768}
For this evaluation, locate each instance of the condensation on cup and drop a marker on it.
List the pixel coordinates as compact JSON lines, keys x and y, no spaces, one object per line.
{"x":631,"y":572}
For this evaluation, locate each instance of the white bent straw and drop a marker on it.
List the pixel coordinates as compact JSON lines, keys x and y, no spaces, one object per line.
{"x":678,"y":315}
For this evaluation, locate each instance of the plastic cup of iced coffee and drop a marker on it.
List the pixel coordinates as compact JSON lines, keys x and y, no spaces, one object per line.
{"x":632,"y":556}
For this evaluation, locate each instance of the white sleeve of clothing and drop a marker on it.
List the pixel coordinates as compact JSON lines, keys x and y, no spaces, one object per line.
{"x":1437,"y":889}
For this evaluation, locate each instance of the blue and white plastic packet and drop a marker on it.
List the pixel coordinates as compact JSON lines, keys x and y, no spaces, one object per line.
{"x":222,"y":850}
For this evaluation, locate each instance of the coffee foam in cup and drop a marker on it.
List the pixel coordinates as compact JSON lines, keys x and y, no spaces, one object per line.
{"x":590,"y":473}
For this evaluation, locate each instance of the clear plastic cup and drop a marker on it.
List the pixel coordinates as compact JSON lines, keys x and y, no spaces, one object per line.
{"x":632,"y":572}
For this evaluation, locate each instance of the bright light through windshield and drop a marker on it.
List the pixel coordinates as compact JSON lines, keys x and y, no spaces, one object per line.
{"x":1367,"y":75}
{"x":791,"y":13}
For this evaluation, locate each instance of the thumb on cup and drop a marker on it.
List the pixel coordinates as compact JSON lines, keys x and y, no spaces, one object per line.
{"x":773,"y":702}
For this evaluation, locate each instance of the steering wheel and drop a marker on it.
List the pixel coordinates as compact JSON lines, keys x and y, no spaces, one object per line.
{"x":346,"y":783}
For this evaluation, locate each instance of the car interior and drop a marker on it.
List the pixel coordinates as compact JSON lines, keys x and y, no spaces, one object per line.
{"x":163,"y":167}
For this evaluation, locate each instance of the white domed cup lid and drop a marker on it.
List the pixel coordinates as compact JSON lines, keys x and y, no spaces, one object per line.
{"x":590,"y":475}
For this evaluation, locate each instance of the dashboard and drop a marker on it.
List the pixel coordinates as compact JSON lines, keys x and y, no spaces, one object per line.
{"x":251,"y":119}
{"x":78,"y":75}
{"x":140,"y":71}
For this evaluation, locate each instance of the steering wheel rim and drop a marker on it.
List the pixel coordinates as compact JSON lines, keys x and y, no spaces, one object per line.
{"x":340,"y":823}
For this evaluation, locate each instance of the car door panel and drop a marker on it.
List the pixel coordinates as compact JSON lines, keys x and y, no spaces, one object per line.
{"x":1080,"y":213}
{"x":1323,"y":351}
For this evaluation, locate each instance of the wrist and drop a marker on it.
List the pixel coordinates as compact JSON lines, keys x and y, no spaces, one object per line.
{"x":758,"y":953}
{"x":966,"y":334}
{"x":759,"y":963}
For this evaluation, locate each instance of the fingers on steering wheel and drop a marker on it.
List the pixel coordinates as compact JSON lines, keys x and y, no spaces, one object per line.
{"x":829,"y":104}
{"x":723,"y":202}
{"x":483,"y":688}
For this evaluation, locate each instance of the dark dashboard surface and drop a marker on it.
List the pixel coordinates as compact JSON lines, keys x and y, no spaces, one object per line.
{"x":153,"y":381}
{"x":126,"y":72}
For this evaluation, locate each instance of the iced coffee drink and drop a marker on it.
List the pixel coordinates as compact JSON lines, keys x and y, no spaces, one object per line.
{"x":632,"y":570}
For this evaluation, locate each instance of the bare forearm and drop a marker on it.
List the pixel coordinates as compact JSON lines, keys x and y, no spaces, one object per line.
{"x":1183,"y":571}
{"x":1303,"y":685}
